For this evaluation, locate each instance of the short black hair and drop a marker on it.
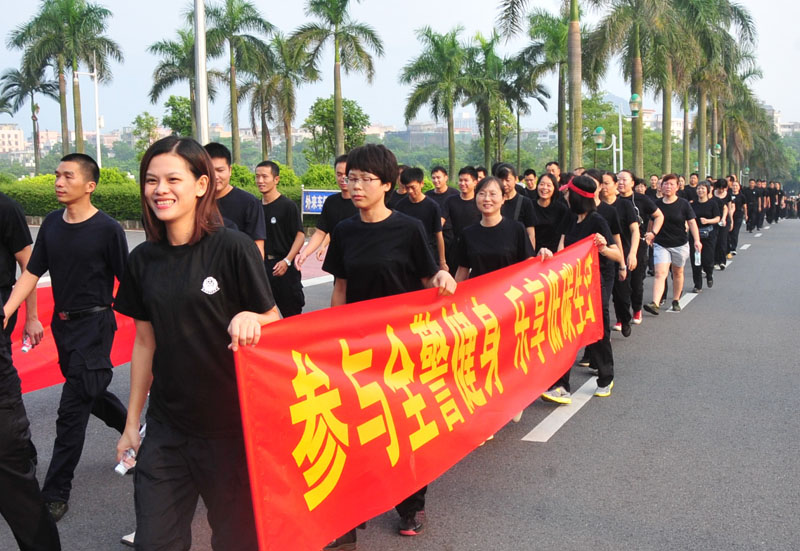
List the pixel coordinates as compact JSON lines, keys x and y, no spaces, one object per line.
{"x":481,"y":168}
{"x":274,"y":169}
{"x":340,"y":159}
{"x":503,"y":170}
{"x":439,"y":168}
{"x":375,"y":159}
{"x":87,"y":165}
{"x":594,"y":173}
{"x":552,"y":163}
{"x":529,"y":172}
{"x":217,"y":150}
{"x":656,"y":175}
{"x":469,"y":170}
{"x":694,"y":174}
{"x":412,"y":175}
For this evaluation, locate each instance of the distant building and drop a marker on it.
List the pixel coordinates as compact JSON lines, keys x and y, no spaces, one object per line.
{"x":12,"y":138}
{"x":789,"y":128}
{"x":379,"y":130}
{"x":657,"y":124}
{"x":773,"y":115}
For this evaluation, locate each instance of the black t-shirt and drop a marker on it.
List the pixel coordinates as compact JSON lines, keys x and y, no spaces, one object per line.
{"x":379,"y":259}
{"x":526,"y":216}
{"x":14,"y":236}
{"x":690,"y":193}
{"x":189,"y":294}
{"x":282,"y":219}
{"x":738,"y":200}
{"x":440,"y":198}
{"x":651,"y":193}
{"x":709,"y":209}
{"x":592,"y":224}
{"x":427,"y":212}
{"x":395,"y":198}
{"x":335,"y":209}
{"x":676,"y":214}
{"x":751,"y":196}
{"x":549,"y":224}
{"x":244,"y":210}
{"x":460,"y":213}
{"x":722,"y":202}
{"x":486,"y":249}
{"x":82,"y":258}
{"x":531,"y":194}
{"x":627,"y":216}
{"x":644,"y":207}
{"x":612,"y":218}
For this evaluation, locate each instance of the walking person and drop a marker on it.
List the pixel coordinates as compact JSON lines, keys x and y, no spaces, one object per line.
{"x":84,"y":249}
{"x":708,"y":217}
{"x":196,"y":291}
{"x":550,"y":213}
{"x":516,"y":206}
{"x":460,"y":212}
{"x":670,"y":243}
{"x":740,"y":208}
{"x":380,"y":253}
{"x":725,"y":224}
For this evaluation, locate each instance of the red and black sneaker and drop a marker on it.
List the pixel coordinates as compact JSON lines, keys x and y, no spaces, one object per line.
{"x":412,"y":525}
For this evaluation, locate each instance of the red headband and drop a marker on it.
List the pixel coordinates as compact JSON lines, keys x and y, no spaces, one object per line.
{"x":576,"y":189}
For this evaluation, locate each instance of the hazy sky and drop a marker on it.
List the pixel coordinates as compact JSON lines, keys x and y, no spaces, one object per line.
{"x":135,"y":25}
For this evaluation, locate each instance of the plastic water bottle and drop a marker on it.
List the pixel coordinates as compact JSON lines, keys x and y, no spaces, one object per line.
{"x":123,"y":466}
{"x":697,"y":258}
{"x":26,"y":344}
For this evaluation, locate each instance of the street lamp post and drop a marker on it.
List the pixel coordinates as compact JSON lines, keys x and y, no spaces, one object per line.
{"x":599,"y":136}
{"x":717,"y":151}
{"x":635,"y":105}
{"x":97,"y":124}
{"x":201,"y":77}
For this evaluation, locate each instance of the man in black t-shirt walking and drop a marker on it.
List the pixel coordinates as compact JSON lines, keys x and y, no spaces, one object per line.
{"x":84,"y":250}
{"x":236,"y":205}
{"x":284,"y":238}
{"x":417,"y":205}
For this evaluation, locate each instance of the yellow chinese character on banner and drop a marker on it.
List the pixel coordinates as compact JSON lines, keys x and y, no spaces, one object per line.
{"x":553,"y":329}
{"x":369,"y":395}
{"x":401,"y":379}
{"x":522,"y":328}
{"x":323,"y":434}
{"x":463,"y":359}
{"x":490,"y":356}
{"x":567,"y":326}
{"x":582,"y":298}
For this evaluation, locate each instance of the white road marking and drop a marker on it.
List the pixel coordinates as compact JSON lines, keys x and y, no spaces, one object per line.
{"x":745,"y":246}
{"x":685,"y":299}
{"x":550,"y":424}
{"x":766,"y":227}
{"x":317,"y":280}
{"x":757,"y":235}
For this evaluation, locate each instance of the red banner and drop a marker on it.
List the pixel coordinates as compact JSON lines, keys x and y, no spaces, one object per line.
{"x":347,"y":411}
{"x":39,"y":368}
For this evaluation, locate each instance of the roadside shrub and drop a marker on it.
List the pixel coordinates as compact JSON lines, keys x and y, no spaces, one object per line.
{"x":319,"y":177}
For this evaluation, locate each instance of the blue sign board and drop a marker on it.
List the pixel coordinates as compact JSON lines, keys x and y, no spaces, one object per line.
{"x":312,"y":199}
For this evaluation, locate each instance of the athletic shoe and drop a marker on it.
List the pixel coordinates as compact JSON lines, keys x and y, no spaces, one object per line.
{"x":57,"y":509}
{"x":637,"y":317}
{"x":696,"y":290}
{"x":652,"y":308}
{"x":709,"y":281}
{"x":626,"y":330}
{"x":721,"y":267}
{"x":617,"y":326}
{"x":663,"y":300}
{"x":412,"y":525}
{"x":346,"y":542}
{"x":128,"y":539}
{"x":651,"y":273}
{"x":584,"y":362}
{"x":517,"y":418}
{"x":676,"y":306}
{"x":734,"y":253}
{"x":604,"y":391}
{"x":558,"y":395}
{"x":729,"y":256}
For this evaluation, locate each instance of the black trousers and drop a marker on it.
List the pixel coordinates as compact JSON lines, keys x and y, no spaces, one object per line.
{"x":173,"y":469}
{"x":706,"y":261}
{"x":287,"y":289}
{"x":637,"y":277}
{"x":84,"y":347}
{"x":721,"y":247}
{"x":761,"y":215}
{"x":752,"y":216}
{"x":600,"y":354}
{"x":621,"y":295}
{"x":733,"y":235}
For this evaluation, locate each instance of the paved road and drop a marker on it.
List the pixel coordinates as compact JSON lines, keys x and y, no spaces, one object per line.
{"x":697,"y":448}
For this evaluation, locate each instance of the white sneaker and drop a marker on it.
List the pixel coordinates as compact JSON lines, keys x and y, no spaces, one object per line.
{"x":517,"y":418}
{"x":559,"y":395}
{"x":128,"y":539}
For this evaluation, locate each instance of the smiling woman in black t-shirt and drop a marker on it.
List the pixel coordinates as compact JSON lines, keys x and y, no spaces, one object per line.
{"x":708,"y":216}
{"x":196,"y":292}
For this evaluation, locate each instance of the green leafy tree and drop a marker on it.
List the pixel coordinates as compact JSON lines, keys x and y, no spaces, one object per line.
{"x":351,"y":41}
{"x":17,"y":87}
{"x":145,"y":132}
{"x":179,"y":115}
{"x":321,"y":148}
{"x":230,"y":24}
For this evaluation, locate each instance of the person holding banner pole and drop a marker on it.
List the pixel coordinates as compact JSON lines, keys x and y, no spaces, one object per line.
{"x":196,"y":291}
{"x":587,"y":222}
{"x":380,"y":253}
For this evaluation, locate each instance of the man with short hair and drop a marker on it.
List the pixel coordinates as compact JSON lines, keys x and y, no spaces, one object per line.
{"x":481,"y":171}
{"x":516,"y":207}
{"x":237,"y":205}
{"x":530,"y":179}
{"x":461,"y":211}
{"x":440,"y":193}
{"x":84,"y":249}
{"x":420,"y":206}
{"x":554,"y":168}
{"x":753,"y":202}
{"x":691,"y":190}
{"x":284,"y":237}
{"x":336,"y":208}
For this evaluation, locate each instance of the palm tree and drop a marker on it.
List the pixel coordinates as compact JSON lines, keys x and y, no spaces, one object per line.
{"x":230,"y":23}
{"x":177,"y":65}
{"x":575,"y":74}
{"x":439,"y":78}
{"x":350,"y":39}
{"x":17,"y":87}
{"x":485,"y":64}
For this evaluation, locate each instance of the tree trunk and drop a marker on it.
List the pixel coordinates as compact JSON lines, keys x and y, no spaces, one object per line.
{"x":265,"y":137}
{"x":35,"y":121}
{"x":287,"y":136}
{"x":562,"y":116}
{"x":575,"y":72}
{"x":193,"y":107}
{"x":338,"y":107}
{"x":714,"y":139}
{"x":686,"y":137}
{"x":723,"y":156}
{"x":637,"y":126}
{"x":451,"y":140}
{"x":519,"y":148}
{"x":702,"y":148}
{"x":666,"y":121}
{"x":76,"y":106}
{"x":62,"y":103}
{"x":235,"y":142}
{"x":487,"y":139}
{"x":498,"y":129}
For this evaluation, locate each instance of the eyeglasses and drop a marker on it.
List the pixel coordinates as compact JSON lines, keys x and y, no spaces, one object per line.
{"x":362,"y":181}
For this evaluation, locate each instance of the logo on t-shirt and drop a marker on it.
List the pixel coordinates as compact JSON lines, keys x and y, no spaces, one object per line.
{"x":210,"y":286}
{"x":273,"y":220}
